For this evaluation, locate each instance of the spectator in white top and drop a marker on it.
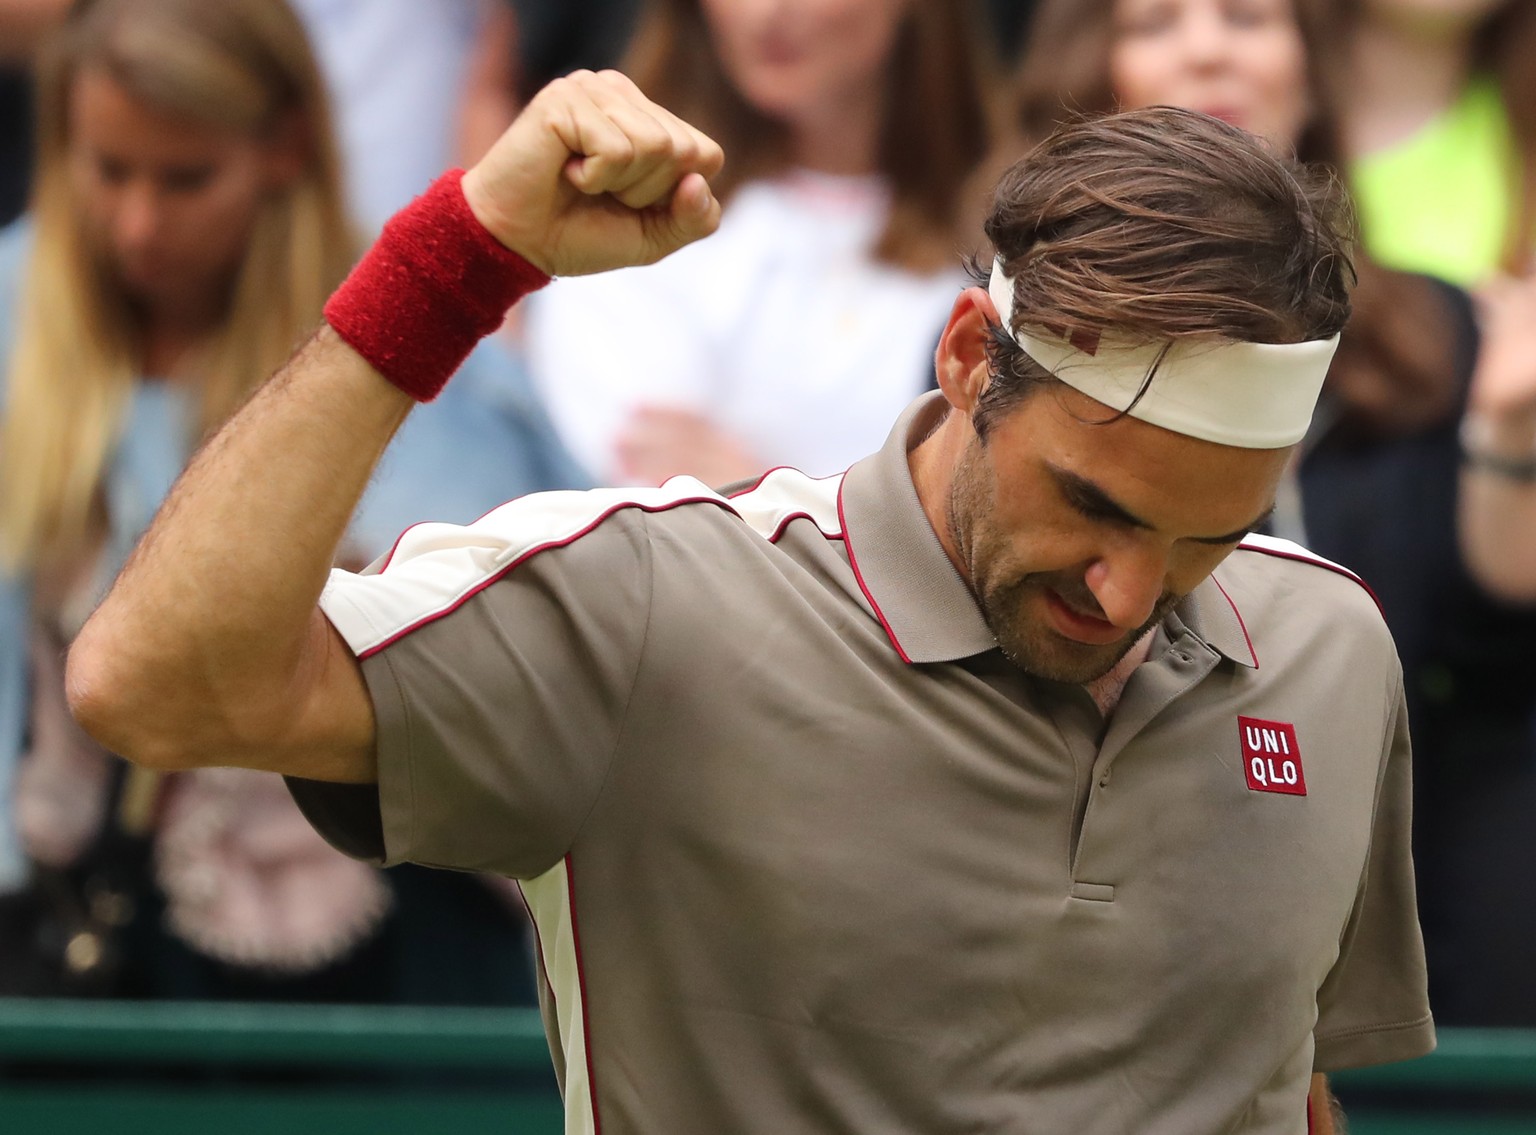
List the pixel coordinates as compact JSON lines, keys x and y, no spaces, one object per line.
{"x":809,"y":320}
{"x":395,"y":71}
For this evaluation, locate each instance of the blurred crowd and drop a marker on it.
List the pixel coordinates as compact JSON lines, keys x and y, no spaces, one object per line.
{"x":185,"y":181}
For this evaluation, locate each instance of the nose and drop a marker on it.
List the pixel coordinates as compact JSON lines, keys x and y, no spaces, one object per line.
{"x":1127,"y":585}
{"x":1205,"y":38}
{"x":137,"y":220}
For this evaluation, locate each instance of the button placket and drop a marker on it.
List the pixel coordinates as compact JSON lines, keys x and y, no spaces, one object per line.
{"x":1156,"y":685}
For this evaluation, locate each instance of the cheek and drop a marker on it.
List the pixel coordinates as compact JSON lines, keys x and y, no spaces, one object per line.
{"x":858,"y":37}
{"x":730,"y":31}
{"x":1139,"y":76}
{"x":93,"y":198}
{"x":217,"y":224}
{"x":1280,"y":71}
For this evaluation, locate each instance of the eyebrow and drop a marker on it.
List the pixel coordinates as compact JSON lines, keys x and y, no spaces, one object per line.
{"x":1092,"y":501}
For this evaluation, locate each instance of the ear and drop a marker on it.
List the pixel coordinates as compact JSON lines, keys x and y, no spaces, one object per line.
{"x":960,"y":363}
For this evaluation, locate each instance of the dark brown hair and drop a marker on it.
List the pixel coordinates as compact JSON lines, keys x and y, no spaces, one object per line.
{"x":1395,"y":371}
{"x":1162,"y":224}
{"x":937,"y":127}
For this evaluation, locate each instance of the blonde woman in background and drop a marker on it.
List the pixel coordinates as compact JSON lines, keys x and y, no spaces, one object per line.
{"x":187,"y":225}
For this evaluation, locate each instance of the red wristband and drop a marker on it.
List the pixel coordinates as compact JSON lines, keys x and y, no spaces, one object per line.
{"x":432,"y":286}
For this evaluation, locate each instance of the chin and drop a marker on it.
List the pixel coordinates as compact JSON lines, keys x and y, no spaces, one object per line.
{"x":775,"y":92}
{"x":1048,"y":656}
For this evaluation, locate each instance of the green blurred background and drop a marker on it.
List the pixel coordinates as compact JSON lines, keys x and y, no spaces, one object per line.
{"x":126,"y":1068}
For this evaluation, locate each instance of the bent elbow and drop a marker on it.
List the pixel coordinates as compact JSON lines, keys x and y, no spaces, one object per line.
{"x":109,"y":705}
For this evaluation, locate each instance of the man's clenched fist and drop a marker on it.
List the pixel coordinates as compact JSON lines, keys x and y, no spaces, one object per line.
{"x":593,"y":175}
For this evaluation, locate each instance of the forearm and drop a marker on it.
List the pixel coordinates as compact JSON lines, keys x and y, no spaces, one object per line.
{"x":1324,"y":1114}
{"x":211,"y":636}
{"x":1496,"y":512}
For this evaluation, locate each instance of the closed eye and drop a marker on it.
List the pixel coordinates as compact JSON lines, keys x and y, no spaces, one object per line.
{"x":1093,"y":503}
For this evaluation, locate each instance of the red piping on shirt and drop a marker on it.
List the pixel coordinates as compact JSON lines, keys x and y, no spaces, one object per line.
{"x":1316,"y":561}
{"x":1254,"y":654}
{"x":581,"y":983}
{"x":785,"y":523}
{"x":528,"y":555}
{"x":1310,"y":1128}
{"x":395,"y":547}
{"x":864,"y":587}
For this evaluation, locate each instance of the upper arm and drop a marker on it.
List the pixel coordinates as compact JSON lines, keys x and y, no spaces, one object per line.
{"x":332,"y":735}
{"x":1373,"y":1008}
{"x":498,"y":663}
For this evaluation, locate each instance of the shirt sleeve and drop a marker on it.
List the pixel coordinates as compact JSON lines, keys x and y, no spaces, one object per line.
{"x":1373,"y":1008}
{"x":499,"y":658}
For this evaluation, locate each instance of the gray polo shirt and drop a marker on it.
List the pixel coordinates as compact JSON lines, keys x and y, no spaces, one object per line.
{"x":806,"y":854}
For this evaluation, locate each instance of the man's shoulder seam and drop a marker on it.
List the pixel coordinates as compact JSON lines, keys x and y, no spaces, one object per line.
{"x":516,"y":532}
{"x":1290,"y":550}
{"x":454,"y":592}
{"x":784,"y":494}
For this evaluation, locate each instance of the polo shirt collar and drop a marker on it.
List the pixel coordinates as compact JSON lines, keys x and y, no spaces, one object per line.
{"x":926,"y":608}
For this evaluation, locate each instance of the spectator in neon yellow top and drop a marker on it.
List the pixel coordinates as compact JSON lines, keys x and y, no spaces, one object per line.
{"x":1441,"y":123}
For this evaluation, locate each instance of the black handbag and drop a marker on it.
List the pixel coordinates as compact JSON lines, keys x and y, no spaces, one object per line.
{"x":65,"y":933}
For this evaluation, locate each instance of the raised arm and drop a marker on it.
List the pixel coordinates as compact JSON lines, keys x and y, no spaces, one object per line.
{"x":211,"y":649}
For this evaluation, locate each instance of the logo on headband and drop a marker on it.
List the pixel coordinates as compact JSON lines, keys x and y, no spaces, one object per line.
{"x":1086,"y":342}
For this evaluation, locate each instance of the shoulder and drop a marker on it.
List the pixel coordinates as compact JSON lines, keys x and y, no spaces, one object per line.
{"x":1290,"y":570}
{"x":1284,"y":591}
{"x":1271,"y":553}
{"x":595,"y":543}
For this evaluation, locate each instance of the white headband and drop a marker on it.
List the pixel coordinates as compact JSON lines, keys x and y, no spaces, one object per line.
{"x":1251,"y":395}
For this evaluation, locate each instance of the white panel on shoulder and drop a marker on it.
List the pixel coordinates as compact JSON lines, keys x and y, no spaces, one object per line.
{"x":1275,"y":546}
{"x":784,"y":494}
{"x":434,"y":568}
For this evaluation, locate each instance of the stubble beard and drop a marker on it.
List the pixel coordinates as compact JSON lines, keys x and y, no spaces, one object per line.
{"x":1042,"y":651}
{"x":1006,"y":598}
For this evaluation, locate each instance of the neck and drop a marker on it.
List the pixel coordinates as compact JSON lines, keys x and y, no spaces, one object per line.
{"x":842,"y":140}
{"x":932,"y":463}
{"x":1106,"y":690}
{"x":1404,"y":75}
{"x":167,"y":343}
{"x":175,"y":324}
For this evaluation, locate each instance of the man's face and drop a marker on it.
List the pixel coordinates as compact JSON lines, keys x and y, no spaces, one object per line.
{"x":1077,"y":537}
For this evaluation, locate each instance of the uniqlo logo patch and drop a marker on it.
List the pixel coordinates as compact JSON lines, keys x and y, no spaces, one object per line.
{"x":1271,"y":756}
